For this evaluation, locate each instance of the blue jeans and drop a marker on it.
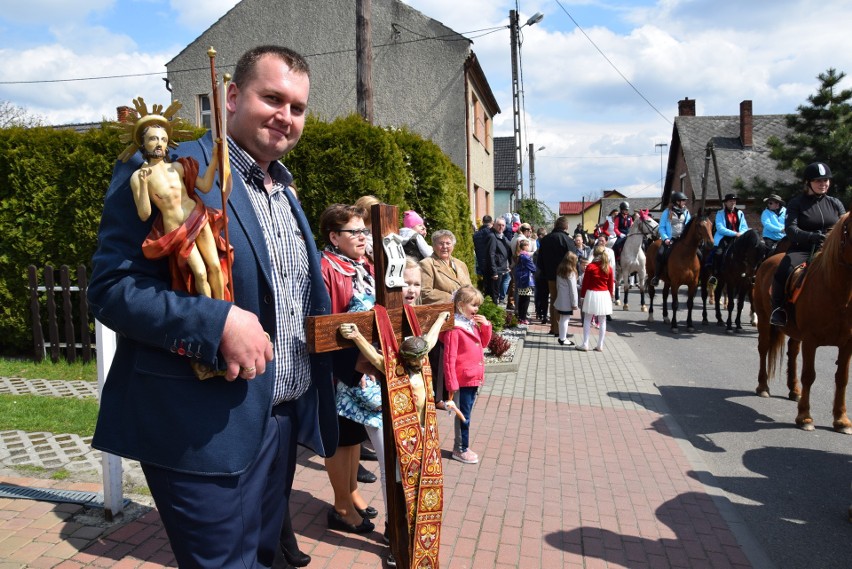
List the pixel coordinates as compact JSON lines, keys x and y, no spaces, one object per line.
{"x":504,"y":287}
{"x":464,"y":398}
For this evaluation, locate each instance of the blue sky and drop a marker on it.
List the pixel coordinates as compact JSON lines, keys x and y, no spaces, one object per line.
{"x":598,"y":132}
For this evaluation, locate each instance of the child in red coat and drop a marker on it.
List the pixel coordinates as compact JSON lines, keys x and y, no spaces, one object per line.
{"x":464,"y":364}
{"x":596,"y":295}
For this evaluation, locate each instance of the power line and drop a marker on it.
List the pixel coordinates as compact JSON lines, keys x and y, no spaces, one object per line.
{"x":447,"y":38}
{"x":617,"y":70}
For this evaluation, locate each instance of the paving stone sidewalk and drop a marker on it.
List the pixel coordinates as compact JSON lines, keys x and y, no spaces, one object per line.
{"x":580,"y":467}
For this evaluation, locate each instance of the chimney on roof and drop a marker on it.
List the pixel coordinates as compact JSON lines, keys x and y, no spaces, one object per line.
{"x":686,"y":107}
{"x":124,"y":113}
{"x":746,"y":124}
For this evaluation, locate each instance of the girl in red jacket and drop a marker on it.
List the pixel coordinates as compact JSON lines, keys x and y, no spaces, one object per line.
{"x":464,"y":364}
{"x":596,"y":295}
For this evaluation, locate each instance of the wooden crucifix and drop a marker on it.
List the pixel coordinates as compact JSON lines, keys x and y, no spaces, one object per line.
{"x":412,"y":453}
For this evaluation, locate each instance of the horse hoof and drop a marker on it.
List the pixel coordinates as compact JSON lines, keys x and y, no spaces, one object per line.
{"x":729,"y":330}
{"x":625,"y":307}
{"x":644,"y":308}
{"x":762,"y":393}
{"x":844,"y":430}
{"x":675,"y":331}
{"x":792,"y":396}
{"x":618,"y":303}
{"x":690,"y":329}
{"x":667,"y":321}
{"x":807,"y":426}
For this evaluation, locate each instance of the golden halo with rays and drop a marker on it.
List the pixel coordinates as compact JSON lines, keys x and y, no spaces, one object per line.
{"x":142,"y":118}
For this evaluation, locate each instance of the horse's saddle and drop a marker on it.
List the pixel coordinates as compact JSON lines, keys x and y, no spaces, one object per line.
{"x":795,"y":281}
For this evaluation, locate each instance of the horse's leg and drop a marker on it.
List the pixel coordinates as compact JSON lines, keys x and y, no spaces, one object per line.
{"x":764,"y":340}
{"x":717,"y":295}
{"x":794,"y":390}
{"x":729,"y":292}
{"x":741,"y":294}
{"x":651,"y":293}
{"x":804,"y":419}
{"x":690,"y":301}
{"x":704,"y":302}
{"x":841,"y":378}
{"x":625,"y":281}
{"x":666,"y":289}
{"x":675,"y":305}
{"x":640,"y":281}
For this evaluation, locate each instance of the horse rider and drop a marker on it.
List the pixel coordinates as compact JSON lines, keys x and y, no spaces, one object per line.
{"x":772,"y":219}
{"x":810,"y":215}
{"x":730,"y":224}
{"x":621,"y":225}
{"x":672,"y":221}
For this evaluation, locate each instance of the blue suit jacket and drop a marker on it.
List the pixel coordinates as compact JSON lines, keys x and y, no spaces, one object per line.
{"x":153,"y":409}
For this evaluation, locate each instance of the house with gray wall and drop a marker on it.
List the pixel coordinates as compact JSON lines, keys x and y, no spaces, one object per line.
{"x":425,"y":75}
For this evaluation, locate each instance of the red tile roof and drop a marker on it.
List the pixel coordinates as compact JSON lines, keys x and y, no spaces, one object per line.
{"x":574,"y":208}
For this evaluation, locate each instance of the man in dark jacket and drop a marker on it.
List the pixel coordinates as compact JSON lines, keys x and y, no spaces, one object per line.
{"x":480,"y":242}
{"x":551,"y":251}
{"x":498,"y":254}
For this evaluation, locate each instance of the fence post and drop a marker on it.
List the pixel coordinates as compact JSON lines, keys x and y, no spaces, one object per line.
{"x":68,"y":315}
{"x":110,"y":464}
{"x":35,"y":314}
{"x":52,"y":324}
{"x":85,"y":337}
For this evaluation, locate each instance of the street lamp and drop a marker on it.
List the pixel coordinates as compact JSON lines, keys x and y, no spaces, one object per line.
{"x":532,"y":169}
{"x":661,"y":146}
{"x":515,"y":33}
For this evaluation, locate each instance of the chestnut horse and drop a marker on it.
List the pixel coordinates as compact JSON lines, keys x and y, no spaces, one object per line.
{"x":822,"y":316}
{"x":683,"y":268}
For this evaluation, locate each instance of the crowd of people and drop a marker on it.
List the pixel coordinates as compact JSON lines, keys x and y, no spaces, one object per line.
{"x":235,"y":445}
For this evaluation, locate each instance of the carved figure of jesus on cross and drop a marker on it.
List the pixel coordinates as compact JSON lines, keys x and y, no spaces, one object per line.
{"x":412,"y":446}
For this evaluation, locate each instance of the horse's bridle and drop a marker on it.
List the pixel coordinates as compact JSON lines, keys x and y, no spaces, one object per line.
{"x":644,"y":224}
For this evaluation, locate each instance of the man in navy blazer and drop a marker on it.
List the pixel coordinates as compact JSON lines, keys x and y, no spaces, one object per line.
{"x":219,"y":455}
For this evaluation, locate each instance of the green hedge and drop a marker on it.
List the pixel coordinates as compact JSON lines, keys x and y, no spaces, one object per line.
{"x":52,"y":184}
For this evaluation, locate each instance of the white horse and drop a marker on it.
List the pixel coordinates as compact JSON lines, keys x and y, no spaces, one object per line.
{"x":633,"y":255}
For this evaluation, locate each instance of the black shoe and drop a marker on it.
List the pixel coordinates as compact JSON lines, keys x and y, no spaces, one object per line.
{"x":365,"y":476}
{"x":390,"y":559}
{"x":295,"y":558}
{"x":336,"y":521}
{"x":367,"y":513}
{"x":778,"y":317}
{"x":368,"y":454}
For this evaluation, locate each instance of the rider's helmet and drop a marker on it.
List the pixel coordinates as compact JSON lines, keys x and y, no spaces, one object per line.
{"x":624,"y":206}
{"x":817,"y":171}
{"x":678,"y":196}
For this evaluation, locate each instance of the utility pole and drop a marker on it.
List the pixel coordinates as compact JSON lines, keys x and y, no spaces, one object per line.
{"x":516,"y":104}
{"x":532,"y":169}
{"x":364,"y":59}
{"x":662,"y":146}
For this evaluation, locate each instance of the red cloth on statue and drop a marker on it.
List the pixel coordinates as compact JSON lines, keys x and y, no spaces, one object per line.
{"x":178,"y":243}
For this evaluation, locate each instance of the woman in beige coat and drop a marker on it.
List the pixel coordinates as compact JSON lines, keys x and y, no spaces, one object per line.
{"x":443,"y":274}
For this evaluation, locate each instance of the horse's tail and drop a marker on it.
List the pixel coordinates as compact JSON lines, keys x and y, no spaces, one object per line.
{"x":775,"y":355}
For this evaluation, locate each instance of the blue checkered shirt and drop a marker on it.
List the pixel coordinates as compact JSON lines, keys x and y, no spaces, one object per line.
{"x":290,"y":271}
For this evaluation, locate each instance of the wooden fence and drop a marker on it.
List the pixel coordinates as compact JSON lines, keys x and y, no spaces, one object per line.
{"x":63,"y":315}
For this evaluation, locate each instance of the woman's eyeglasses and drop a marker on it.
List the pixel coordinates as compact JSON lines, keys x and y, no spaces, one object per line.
{"x":355,"y":232}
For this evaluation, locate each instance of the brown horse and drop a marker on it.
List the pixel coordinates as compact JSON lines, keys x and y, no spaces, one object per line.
{"x":683,"y":268}
{"x":822,"y":316}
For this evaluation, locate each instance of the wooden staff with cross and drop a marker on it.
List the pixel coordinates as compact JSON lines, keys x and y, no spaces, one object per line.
{"x":323,"y":336}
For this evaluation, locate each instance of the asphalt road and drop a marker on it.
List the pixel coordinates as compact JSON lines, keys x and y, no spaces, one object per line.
{"x":790,"y":487}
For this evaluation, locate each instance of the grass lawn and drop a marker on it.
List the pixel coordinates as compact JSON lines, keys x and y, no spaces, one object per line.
{"x":46,"y":369}
{"x":36,"y":413}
